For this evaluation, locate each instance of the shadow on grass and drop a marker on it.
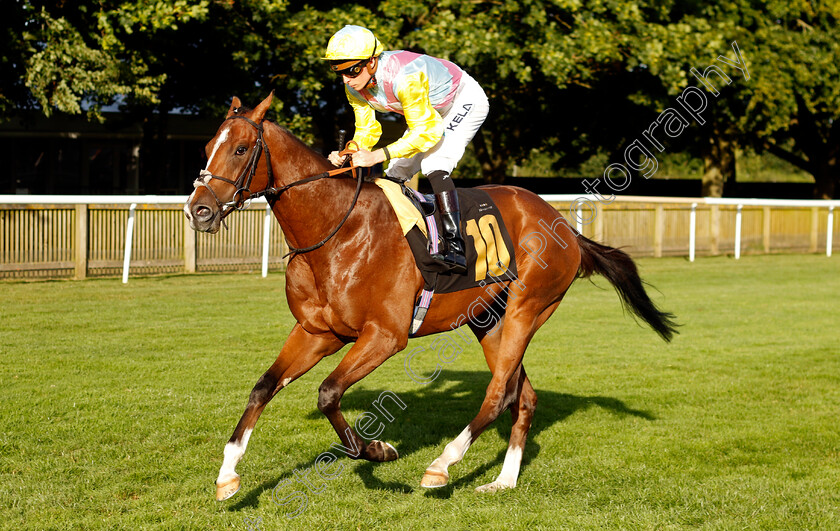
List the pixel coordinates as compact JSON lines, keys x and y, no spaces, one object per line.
{"x":435,"y":414}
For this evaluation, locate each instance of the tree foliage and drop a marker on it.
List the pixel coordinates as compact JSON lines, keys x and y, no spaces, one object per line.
{"x":794,"y":101}
{"x":573,"y":78}
{"x":79,"y":56}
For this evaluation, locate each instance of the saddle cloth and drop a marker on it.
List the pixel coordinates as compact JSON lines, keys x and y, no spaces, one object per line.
{"x":489,"y":250}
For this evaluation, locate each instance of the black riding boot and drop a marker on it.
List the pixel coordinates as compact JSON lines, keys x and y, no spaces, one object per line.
{"x":450,"y":215}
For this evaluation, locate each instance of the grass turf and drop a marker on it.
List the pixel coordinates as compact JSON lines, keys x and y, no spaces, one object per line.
{"x":117,"y":401}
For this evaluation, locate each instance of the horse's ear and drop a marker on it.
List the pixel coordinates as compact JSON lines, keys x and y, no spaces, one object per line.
{"x":235,"y":104}
{"x":262,"y":108}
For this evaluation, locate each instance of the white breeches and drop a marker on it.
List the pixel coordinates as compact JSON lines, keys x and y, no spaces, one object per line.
{"x":461,"y":121}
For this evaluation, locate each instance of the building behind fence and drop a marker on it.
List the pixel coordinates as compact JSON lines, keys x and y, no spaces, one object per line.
{"x":81,"y":237}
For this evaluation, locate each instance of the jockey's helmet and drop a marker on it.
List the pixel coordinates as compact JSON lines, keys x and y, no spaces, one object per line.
{"x":353,"y":42}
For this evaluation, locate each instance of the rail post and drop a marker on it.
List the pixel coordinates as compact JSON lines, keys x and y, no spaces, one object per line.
{"x":658,"y":231}
{"x":129,"y":238}
{"x":266,"y":238}
{"x":599,"y":225}
{"x":714,"y":239}
{"x":189,"y":247}
{"x":765,"y":234}
{"x":80,"y":241}
{"x":692,"y":232}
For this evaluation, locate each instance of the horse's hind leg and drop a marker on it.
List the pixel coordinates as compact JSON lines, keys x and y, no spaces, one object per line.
{"x":524,"y":398}
{"x":522,"y":411}
{"x":504,"y":356}
{"x":300,"y":353}
{"x":437,"y":475}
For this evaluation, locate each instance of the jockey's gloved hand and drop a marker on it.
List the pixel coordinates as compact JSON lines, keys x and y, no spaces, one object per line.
{"x":337,"y":159}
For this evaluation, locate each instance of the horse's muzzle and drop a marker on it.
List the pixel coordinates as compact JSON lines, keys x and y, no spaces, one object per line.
{"x":203,"y":216}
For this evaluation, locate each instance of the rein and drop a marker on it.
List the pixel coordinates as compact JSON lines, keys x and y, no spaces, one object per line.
{"x":243,"y":183}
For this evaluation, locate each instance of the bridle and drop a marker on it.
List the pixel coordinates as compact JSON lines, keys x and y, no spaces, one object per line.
{"x":242,"y":184}
{"x":243,"y":196}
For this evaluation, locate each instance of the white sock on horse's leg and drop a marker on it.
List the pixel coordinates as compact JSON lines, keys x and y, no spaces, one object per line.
{"x":437,"y":474}
{"x":509,"y":474}
{"x":233,"y":454}
{"x":454,"y":451}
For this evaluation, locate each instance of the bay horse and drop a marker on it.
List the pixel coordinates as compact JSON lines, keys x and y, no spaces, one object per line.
{"x":360,"y":286}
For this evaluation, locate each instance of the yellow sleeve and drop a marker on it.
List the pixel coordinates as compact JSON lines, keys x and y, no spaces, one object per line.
{"x":425,"y":125}
{"x":368,"y":129}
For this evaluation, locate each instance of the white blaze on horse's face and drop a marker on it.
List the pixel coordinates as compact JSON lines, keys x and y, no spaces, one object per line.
{"x":223,"y":135}
{"x":221,"y":138}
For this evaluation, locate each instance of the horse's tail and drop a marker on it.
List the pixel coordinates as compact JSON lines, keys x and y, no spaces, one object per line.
{"x":620,"y":270}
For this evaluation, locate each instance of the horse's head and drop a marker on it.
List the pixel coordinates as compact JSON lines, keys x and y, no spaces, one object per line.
{"x":235,"y":166}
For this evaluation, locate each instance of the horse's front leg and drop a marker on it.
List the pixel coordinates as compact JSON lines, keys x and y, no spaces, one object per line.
{"x":372,"y":348}
{"x":300,"y":353}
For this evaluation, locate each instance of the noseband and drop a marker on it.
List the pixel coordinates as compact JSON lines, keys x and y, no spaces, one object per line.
{"x":242,"y":184}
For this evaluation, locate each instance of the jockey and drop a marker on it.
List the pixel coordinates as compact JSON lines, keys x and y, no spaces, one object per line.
{"x":443,"y":108}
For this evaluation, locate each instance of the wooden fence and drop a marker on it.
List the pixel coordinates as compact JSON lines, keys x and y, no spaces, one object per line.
{"x":670,"y":226}
{"x":48,"y":239}
{"x":80,"y":237}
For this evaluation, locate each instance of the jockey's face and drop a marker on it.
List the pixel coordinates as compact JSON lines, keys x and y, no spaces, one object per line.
{"x":361,"y":81}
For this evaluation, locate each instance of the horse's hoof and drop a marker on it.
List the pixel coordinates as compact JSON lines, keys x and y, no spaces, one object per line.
{"x":493,"y":487}
{"x":433,"y":479}
{"x":381,"y":452}
{"x":227,"y":489}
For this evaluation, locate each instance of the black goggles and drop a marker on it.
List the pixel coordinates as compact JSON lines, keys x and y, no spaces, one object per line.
{"x":351,"y":71}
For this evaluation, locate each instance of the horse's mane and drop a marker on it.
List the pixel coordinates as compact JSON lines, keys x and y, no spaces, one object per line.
{"x":294,"y":139}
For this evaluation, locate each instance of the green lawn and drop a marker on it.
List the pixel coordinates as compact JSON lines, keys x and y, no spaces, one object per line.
{"x":117,"y":401}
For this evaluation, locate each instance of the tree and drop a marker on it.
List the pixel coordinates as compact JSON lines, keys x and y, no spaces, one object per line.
{"x":790,"y":104}
{"x":570,"y":78}
{"x":794,"y":102}
{"x":148,"y":59}
{"x":558,"y":74}
{"x":538,"y":62}
{"x":14,"y":96}
{"x":79,"y":56}
{"x":672,"y":49}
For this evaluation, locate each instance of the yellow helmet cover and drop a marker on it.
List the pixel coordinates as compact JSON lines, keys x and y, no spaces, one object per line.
{"x":353,"y":42}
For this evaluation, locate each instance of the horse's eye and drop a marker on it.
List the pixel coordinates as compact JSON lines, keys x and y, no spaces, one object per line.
{"x":241,"y":150}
